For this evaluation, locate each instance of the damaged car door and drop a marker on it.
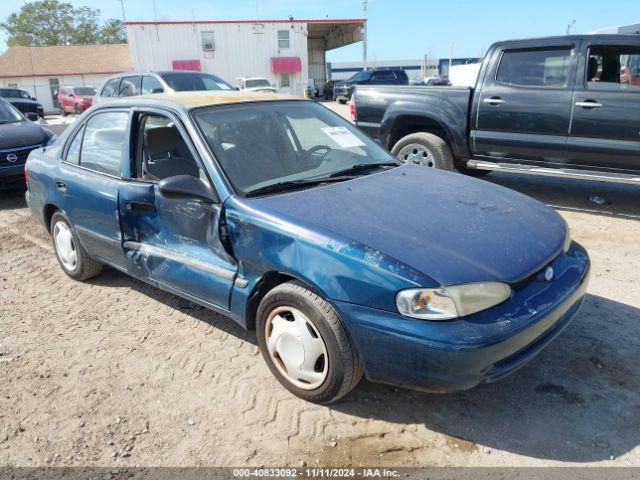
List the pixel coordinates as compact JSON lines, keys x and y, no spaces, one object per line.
{"x":170,"y":215}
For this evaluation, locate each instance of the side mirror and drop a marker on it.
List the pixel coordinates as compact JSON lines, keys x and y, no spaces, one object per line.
{"x":33,"y":116}
{"x":33,"y":98}
{"x":157,"y":90}
{"x":187,"y":187}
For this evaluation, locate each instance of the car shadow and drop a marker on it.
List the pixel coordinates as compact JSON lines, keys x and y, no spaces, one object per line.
{"x":599,"y":198}
{"x":576,"y":402}
{"x":115,"y":279}
{"x":12,"y":199}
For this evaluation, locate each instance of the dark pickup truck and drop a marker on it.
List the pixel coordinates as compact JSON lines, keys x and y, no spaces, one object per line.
{"x":562,"y":106}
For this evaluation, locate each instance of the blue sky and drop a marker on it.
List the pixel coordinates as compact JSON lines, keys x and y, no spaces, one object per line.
{"x":401,"y":29}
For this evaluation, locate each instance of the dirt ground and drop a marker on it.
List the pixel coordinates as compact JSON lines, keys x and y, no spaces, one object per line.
{"x":114,"y":372}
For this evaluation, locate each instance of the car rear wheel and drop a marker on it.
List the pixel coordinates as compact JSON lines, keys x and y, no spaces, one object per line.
{"x":305,"y":345}
{"x":424,"y":149}
{"x":72,"y":256}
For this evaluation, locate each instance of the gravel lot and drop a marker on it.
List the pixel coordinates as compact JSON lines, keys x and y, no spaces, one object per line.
{"x":114,"y":372}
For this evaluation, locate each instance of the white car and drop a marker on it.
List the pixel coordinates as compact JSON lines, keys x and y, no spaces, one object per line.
{"x":256,"y":84}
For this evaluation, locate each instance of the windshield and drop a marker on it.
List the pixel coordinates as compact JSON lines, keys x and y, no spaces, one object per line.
{"x":85,"y":91}
{"x":264,"y":144}
{"x":8,"y":113}
{"x":13,"y":93}
{"x":187,"y":82}
{"x":259,"y":82}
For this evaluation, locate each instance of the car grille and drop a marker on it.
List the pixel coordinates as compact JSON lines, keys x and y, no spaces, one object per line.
{"x":26,"y":107}
{"x":15,"y":156}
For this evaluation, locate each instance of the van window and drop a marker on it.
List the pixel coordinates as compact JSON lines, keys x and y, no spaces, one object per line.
{"x":111,"y":88}
{"x":535,"y":67}
{"x":103,"y":141}
{"x":129,"y":87}
{"x":151,"y":85}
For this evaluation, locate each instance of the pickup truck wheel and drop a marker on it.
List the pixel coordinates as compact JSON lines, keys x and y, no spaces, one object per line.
{"x":424,"y":149}
{"x":73,"y":258}
{"x":305,"y":345}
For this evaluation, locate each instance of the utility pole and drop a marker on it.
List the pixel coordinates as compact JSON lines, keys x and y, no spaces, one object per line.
{"x":124,"y":17}
{"x":365,"y":8}
{"x":155,"y":16}
{"x":450,"y":58}
{"x":571,"y":24}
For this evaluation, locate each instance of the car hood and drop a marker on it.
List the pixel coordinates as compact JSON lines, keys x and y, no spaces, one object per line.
{"x":453,"y":228}
{"x":20,"y":134}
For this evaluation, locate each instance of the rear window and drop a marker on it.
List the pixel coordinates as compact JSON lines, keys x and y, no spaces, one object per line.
{"x":535,"y":67}
{"x":186,"y":82}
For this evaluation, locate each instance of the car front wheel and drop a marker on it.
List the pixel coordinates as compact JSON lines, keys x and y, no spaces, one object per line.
{"x":424,"y":149}
{"x":305,"y":345}
{"x":72,"y":256}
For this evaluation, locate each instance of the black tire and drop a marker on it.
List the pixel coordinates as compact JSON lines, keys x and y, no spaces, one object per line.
{"x":424,"y":149}
{"x":342,"y":101}
{"x":63,"y":112}
{"x":85,"y":267}
{"x":344,"y":365}
{"x":76,"y":110}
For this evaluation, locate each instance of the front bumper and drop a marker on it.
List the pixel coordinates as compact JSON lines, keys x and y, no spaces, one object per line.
{"x":12,"y":176}
{"x":460,"y":354}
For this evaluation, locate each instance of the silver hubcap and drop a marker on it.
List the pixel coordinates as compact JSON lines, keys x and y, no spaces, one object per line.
{"x":416,"y":154}
{"x":296,"y":348}
{"x":65,"y":246}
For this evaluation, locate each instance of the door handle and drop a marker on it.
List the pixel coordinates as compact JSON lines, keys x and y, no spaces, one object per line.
{"x":141,"y":207}
{"x":61,"y":186}
{"x":589,"y":104}
{"x":493,"y":101}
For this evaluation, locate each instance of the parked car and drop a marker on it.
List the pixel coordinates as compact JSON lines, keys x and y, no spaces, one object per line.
{"x":383,"y":76}
{"x":255,"y":84}
{"x":75,"y":99}
{"x":22,"y":100}
{"x":18,"y":137}
{"x":438,"y":81}
{"x":283,"y":216}
{"x":558,"y":106}
{"x":130,"y":84}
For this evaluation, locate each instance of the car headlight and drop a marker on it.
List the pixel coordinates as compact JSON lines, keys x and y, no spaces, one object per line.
{"x":567,"y":238}
{"x":446,"y":303}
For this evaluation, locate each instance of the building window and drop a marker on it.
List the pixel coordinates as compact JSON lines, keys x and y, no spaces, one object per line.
{"x":285,"y":80}
{"x":283,"y":40}
{"x":208,"y":43}
{"x":12,"y":85}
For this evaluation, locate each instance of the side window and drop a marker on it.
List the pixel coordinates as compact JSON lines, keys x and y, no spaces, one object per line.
{"x":383,"y":76}
{"x":151,"y":85}
{"x":535,"y":67}
{"x":614,"y":67}
{"x":162,"y":151}
{"x":284,"y":42}
{"x":104,"y":138}
{"x":111,"y":88}
{"x":129,"y":86}
{"x":73,"y":153}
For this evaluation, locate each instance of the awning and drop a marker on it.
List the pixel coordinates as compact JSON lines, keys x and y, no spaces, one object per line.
{"x":193,"y":65}
{"x":286,"y":64}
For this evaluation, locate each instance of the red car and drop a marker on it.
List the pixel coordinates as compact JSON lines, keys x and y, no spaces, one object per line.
{"x":75,"y":99}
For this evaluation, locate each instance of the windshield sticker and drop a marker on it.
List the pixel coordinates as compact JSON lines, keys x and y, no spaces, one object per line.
{"x":343,"y":137}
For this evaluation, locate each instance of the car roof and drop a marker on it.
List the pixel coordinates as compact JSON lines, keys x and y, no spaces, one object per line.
{"x":188,"y":100}
{"x":544,"y":41}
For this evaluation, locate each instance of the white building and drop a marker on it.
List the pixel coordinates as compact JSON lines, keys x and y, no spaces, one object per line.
{"x":631,"y":29}
{"x":289,"y":53}
{"x":43,"y":70}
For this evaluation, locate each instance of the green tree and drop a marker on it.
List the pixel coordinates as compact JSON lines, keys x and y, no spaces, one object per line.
{"x":52,"y":22}
{"x":112,"y":31}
